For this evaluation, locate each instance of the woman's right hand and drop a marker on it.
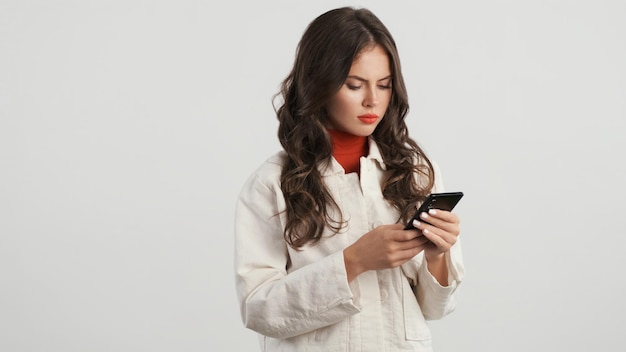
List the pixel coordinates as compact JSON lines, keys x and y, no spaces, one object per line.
{"x":387,"y":246}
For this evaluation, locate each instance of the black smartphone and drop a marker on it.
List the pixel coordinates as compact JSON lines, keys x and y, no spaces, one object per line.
{"x":444,"y":201}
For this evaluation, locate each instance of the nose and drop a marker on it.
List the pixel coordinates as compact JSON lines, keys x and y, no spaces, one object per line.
{"x":371,"y":98}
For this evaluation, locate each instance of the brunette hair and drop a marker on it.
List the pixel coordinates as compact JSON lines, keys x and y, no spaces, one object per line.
{"x":323,"y":60}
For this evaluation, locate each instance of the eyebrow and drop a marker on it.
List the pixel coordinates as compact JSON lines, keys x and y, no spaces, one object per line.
{"x":358,"y":78}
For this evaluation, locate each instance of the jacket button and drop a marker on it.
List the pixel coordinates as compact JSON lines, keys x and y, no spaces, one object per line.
{"x":384,"y":295}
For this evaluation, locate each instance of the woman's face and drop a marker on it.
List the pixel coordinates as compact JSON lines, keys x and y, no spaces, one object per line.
{"x":362,"y":100}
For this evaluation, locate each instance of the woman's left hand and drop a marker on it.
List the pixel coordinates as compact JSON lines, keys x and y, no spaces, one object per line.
{"x":441,"y":228}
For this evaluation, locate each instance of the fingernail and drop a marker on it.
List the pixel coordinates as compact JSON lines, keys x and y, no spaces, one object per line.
{"x":423,"y":215}
{"x":416,"y":223}
{"x":432,"y":211}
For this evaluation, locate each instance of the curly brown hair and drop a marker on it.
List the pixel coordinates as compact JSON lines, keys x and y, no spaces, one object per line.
{"x":323,"y":59}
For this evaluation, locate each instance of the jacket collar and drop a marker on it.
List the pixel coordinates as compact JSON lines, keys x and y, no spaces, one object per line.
{"x":333,"y":168}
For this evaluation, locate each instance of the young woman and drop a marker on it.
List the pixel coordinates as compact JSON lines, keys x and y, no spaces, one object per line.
{"x":322,"y":260}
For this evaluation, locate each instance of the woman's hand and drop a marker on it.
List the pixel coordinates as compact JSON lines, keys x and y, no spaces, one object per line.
{"x":384,"y":247}
{"x":442,"y":230}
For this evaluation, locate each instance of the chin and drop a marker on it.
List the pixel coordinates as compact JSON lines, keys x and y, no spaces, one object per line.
{"x":359,"y":130}
{"x":367,"y":131}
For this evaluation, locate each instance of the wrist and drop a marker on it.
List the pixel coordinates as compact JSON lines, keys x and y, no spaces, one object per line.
{"x":438,"y":267}
{"x":351,"y":261}
{"x":435,"y":257}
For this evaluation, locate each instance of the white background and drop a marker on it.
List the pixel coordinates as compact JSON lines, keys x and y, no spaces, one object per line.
{"x":128,"y":127}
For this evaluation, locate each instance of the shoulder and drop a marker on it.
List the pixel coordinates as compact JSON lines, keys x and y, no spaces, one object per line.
{"x":267,"y":174}
{"x":272,"y":167}
{"x":260,"y":197}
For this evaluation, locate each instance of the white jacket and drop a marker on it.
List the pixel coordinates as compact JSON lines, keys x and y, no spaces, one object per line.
{"x":300,"y":300}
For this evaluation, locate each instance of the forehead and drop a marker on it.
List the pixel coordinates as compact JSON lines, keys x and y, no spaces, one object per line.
{"x":372,"y":63}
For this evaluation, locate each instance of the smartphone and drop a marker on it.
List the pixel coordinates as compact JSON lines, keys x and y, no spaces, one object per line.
{"x":444,"y":201}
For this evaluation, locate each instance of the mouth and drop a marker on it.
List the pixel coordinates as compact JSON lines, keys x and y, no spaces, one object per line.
{"x":368,"y":118}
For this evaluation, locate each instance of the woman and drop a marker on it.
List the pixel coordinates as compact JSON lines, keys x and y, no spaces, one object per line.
{"x":322,"y":260}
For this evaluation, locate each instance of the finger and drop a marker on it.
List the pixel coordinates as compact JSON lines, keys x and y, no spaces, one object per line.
{"x":412,"y":243}
{"x":433,"y":233}
{"x":452,"y":227}
{"x":437,"y":239}
{"x":406,"y":235}
{"x":395,"y":226}
{"x":406,"y":255}
{"x":444,"y":215}
{"x":444,"y":229}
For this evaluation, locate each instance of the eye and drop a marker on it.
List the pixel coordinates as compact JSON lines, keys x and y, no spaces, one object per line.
{"x":386,"y":84}
{"x":353,"y":87}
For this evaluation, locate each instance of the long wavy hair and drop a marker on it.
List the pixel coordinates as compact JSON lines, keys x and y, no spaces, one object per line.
{"x":324,"y":56}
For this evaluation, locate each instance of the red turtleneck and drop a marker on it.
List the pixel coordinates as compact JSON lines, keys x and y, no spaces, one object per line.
{"x":348,"y":149}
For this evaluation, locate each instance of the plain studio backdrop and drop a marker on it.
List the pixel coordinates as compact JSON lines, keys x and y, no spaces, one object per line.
{"x":127,"y":129}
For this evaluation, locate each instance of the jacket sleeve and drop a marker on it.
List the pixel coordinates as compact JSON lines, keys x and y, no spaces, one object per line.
{"x":274,"y":302}
{"x":435,"y":300}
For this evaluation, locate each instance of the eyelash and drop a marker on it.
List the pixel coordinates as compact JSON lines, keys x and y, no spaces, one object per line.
{"x":351,"y":87}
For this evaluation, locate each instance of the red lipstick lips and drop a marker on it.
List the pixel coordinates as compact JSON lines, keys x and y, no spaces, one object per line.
{"x":368,"y":118}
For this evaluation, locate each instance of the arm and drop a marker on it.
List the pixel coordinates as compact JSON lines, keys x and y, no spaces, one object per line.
{"x":438,"y":268}
{"x":436,"y":300}
{"x":437,"y":272}
{"x":274,"y":302}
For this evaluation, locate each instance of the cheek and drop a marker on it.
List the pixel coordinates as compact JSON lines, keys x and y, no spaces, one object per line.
{"x":344,"y":103}
{"x":387,"y":100}
{"x":388,"y":96}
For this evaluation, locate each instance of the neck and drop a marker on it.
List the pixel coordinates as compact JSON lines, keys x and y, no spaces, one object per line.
{"x":348,"y":149}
